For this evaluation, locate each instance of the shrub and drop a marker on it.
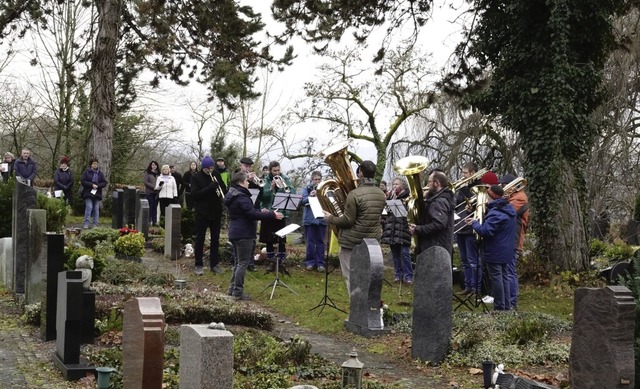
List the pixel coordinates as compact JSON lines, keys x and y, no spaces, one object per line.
{"x":527,"y":330}
{"x":119,"y":272}
{"x":6,"y":207}
{"x":187,"y":226}
{"x":91,"y":237}
{"x":71,"y":253}
{"x":159,"y":279}
{"x":157,"y":244}
{"x":619,"y":251}
{"x":596,"y":248}
{"x":56,"y":210}
{"x":130,"y":245}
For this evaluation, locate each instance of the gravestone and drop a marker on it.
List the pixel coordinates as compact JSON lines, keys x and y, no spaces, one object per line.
{"x":6,"y":262}
{"x":365,"y":284}
{"x":142,"y":220}
{"x":68,"y":327}
{"x":24,"y":198}
{"x":129,"y":205}
{"x":117,"y":209}
{"x":139,"y":197}
{"x":206,"y":358}
{"x":142,"y":343}
{"x":602,"y":340}
{"x":172,"y":231}
{"x":432,"y":310}
{"x":53,"y":253}
{"x":35,"y":264}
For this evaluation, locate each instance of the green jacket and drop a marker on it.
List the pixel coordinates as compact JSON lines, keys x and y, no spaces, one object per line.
{"x":267,"y":195}
{"x":361,"y":218}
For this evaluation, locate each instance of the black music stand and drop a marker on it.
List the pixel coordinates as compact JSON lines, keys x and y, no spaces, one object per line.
{"x":326,"y":300}
{"x":277,"y":281}
{"x":474,"y":300}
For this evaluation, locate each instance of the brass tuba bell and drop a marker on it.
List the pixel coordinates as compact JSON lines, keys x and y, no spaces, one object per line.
{"x":412,"y":167}
{"x":332,"y":193}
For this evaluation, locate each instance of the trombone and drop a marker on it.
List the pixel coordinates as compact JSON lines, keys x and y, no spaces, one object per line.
{"x":481,"y":198}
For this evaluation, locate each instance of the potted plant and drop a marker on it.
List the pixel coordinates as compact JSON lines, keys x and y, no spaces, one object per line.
{"x":130,"y":246}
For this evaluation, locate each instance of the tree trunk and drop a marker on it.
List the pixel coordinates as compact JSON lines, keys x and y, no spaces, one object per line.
{"x":103,"y":79}
{"x":567,"y":248}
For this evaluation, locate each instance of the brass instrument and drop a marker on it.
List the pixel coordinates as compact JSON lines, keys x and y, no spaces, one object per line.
{"x":219,"y":191}
{"x":514,"y":186}
{"x":332,"y":193}
{"x":255,"y":179}
{"x":281,"y":184}
{"x":481,"y":198}
{"x":412,"y":167}
{"x":464,"y":181}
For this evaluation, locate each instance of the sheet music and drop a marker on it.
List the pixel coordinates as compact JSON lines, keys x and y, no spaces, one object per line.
{"x":397,"y":208}
{"x":57,"y":193}
{"x":287,"y":230}
{"x":286,"y":201}
{"x":316,"y":208}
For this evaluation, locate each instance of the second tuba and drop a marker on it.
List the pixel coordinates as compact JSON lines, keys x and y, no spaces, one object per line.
{"x":332,"y":193}
{"x":412,"y":167}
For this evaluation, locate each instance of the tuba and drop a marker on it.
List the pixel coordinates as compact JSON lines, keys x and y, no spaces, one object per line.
{"x":412,"y":167}
{"x":332,"y":193}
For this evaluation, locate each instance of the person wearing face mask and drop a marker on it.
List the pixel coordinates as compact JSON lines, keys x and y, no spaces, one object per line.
{"x":63,"y":179}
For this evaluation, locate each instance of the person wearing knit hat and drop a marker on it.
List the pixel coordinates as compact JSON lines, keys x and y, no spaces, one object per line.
{"x":207,"y":191}
{"x":63,"y":180}
{"x":489,"y":178}
{"x":498,"y":232}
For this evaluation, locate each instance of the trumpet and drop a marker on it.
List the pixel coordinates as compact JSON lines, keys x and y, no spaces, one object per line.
{"x":281,"y":184}
{"x":255,"y":179}
{"x":219,"y":191}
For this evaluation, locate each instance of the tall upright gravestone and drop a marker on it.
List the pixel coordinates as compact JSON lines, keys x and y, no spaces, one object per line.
{"x":35,"y":263}
{"x":432,"y":311}
{"x":142,"y":219}
{"x":365,"y":283}
{"x":6,"y":262}
{"x":117,"y":209}
{"x":602,"y":354}
{"x":172,"y":232}
{"x":143,"y":343}
{"x":206,"y":358}
{"x":24,"y":198}
{"x":53,"y":250}
{"x":129,"y":205}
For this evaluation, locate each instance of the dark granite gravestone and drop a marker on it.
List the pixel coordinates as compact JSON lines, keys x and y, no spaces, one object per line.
{"x":88,"y":331}
{"x":129,"y":205}
{"x":69,"y":327}
{"x":117,"y":208}
{"x":432,"y":310}
{"x":602,"y":340}
{"x":142,"y":343}
{"x":35,"y":270}
{"x":24,"y":198}
{"x":172,"y":231}
{"x":365,"y":280}
{"x":53,"y":250}
{"x":139,"y":197}
{"x":142,"y":220}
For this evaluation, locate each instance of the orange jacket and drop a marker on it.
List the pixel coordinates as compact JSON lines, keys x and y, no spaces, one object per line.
{"x":518,"y":200}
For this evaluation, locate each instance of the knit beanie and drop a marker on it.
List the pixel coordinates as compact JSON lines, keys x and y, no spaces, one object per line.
{"x":496,"y":191}
{"x":207,"y":162}
{"x":489,"y":178}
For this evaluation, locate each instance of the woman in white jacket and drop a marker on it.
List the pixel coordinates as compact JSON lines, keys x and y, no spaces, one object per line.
{"x":167,"y":187}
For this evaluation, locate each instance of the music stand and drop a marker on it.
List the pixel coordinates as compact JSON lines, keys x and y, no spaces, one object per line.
{"x":474,"y":300}
{"x":326,"y":300}
{"x":277,"y":281}
{"x":397,"y":208}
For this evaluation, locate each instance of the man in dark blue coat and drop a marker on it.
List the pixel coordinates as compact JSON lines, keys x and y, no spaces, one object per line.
{"x":25,"y":168}
{"x":498,"y":233}
{"x":242,"y":229}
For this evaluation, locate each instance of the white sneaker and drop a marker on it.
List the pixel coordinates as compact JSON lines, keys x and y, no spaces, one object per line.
{"x":487,"y":299}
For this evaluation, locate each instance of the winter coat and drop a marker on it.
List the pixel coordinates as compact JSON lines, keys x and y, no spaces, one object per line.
{"x":225,"y":174}
{"x":87,"y":181}
{"x":436,"y":224}
{"x":25,"y":169}
{"x":205,"y":194}
{"x":307,"y":215}
{"x":186,"y":180}
{"x":498,"y":232}
{"x":461,"y":196}
{"x":518,"y":200}
{"x":9,"y":172}
{"x":169,"y":189}
{"x":242,"y":214}
{"x":178,"y":177}
{"x":150,"y":181}
{"x":361,"y":217}
{"x":63,"y":180}
{"x":396,"y":229}
{"x":267,"y":196}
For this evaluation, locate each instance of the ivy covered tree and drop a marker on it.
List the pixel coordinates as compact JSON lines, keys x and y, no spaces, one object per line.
{"x":537,"y":67}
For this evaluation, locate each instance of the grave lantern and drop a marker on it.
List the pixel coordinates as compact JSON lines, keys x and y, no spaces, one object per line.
{"x":352,"y":372}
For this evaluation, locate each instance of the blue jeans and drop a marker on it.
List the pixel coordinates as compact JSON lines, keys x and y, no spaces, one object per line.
{"x":202,"y":224}
{"x":314,"y":234}
{"x":243,"y":250}
{"x":402,"y":261}
{"x":91,"y":208}
{"x":500,"y":282}
{"x":469,"y":258}
{"x":513,"y":281}
{"x":152,"y":198}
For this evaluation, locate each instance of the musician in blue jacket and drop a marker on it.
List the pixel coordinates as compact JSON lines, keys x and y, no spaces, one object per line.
{"x":243,"y":218}
{"x":497,"y":234}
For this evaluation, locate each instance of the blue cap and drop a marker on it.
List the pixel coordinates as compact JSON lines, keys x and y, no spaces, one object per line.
{"x":207,"y":162}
